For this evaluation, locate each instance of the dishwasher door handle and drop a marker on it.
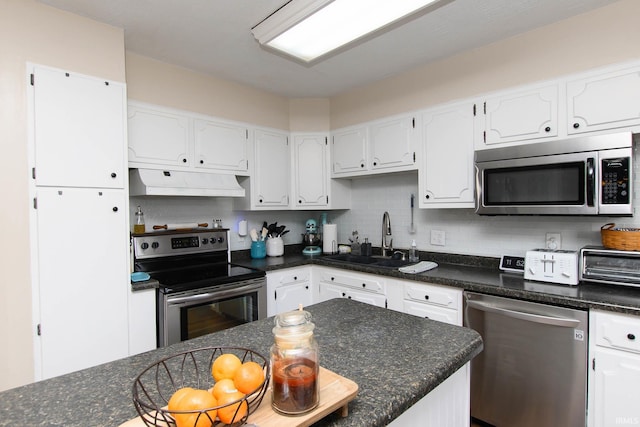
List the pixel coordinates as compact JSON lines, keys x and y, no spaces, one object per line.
{"x":530,"y":317}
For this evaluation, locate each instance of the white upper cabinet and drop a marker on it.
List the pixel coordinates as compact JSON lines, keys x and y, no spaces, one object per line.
{"x":79,"y":130}
{"x":387,"y":145}
{"x":161,"y":137}
{"x":392,"y":144}
{"x":604,"y":101}
{"x":310,"y":165}
{"x":446,"y":173}
{"x":531,"y":113}
{"x":349,"y":151}
{"x":221,"y":146}
{"x":270,"y":185}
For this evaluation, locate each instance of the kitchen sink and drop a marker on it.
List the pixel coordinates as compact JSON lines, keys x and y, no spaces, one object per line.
{"x":370,"y":260}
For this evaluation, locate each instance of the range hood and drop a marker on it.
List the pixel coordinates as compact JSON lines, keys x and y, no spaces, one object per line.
{"x":155,"y":182}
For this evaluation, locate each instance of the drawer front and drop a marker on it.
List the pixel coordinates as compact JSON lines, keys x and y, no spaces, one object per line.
{"x":450,"y":298}
{"x":294,"y":276}
{"x":432,"y":312}
{"x":361,"y":282}
{"x":617,"y":331}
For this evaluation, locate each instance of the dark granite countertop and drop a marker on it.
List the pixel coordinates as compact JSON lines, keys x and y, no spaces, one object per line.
{"x":477,"y":274}
{"x":395,"y":359}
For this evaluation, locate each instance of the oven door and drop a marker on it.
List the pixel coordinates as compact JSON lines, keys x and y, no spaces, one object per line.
{"x":563,"y":184}
{"x":190,"y":314}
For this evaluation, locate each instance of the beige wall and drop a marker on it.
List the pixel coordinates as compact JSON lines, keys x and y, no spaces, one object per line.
{"x":601,"y":37}
{"x":309,"y":115}
{"x":32,"y":32}
{"x":163,"y":84}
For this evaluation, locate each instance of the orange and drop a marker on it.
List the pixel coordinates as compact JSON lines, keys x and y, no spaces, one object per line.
{"x":248,"y":377}
{"x":235,"y":411}
{"x":225,"y":366}
{"x":190,"y":399}
{"x":225,"y":385}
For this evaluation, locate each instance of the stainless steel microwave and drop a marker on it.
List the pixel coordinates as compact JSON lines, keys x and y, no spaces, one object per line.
{"x":581,"y":176}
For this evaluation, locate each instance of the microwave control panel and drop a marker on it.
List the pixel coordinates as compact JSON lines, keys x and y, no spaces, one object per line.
{"x":615,"y":181}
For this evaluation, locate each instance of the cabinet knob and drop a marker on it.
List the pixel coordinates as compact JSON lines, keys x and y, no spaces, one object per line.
{"x":364,"y":285}
{"x":547,"y":129}
{"x":260,"y":200}
{"x":295,"y":277}
{"x":306,"y":287}
{"x":184,"y":160}
{"x":113,"y":175}
{"x":428,"y":197}
{"x":426,"y":297}
{"x":344,"y":295}
{"x":115,"y":209}
{"x":333,"y":278}
{"x":299,"y":202}
{"x":631,"y":337}
{"x":202,"y":162}
{"x":375,"y":163}
{"x":361,"y":165}
{"x":576,"y":125}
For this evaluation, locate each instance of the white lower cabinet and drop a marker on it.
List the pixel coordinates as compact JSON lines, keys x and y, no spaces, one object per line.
{"x":614,"y":375}
{"x":288,"y":288}
{"x":435,"y":302}
{"x":445,"y":406}
{"x":336,"y":283}
{"x":142,"y":321}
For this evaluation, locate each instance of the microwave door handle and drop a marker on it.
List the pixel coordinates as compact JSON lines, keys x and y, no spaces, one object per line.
{"x":591,"y":181}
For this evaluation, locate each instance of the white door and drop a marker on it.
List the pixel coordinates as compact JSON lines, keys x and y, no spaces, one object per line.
{"x":82,"y":278}
{"x":310,"y":170}
{"x":158,"y":137}
{"x":446,"y":173}
{"x":392,"y":143}
{"x":79,"y":130}
{"x":607,"y":101}
{"x":221,"y":146}
{"x":523,"y":115}
{"x":349,"y":151}
{"x":271,"y":178}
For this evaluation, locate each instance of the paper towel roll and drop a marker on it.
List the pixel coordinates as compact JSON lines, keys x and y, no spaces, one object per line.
{"x":330,"y":239}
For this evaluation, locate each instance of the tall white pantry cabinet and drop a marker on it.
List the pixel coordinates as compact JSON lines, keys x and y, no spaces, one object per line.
{"x":79,"y":220}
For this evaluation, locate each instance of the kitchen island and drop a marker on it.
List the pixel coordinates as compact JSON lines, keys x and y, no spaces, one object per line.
{"x":396,"y":359}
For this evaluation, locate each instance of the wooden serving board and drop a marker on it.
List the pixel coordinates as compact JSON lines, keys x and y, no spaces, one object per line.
{"x":335,"y":394}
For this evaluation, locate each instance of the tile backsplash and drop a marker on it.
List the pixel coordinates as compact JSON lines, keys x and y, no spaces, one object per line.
{"x":465,"y":232}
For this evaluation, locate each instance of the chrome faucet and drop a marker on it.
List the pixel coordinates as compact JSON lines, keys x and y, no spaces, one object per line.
{"x":387,"y":237}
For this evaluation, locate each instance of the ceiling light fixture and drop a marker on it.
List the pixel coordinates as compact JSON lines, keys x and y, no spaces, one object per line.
{"x":310,"y":30}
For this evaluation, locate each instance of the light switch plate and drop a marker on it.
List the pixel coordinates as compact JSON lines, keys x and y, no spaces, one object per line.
{"x":438,"y":237}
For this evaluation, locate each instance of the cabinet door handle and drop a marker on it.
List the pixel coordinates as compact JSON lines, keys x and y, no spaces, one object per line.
{"x":201,"y":162}
{"x":576,"y":125}
{"x":344,"y":295}
{"x":364,"y":285}
{"x":295,"y":277}
{"x":361,"y":165}
{"x":115,"y":209}
{"x":426,"y":297}
{"x":113,"y":175}
{"x":333,"y":278}
{"x":631,"y":337}
{"x":306,"y":287}
{"x":547,"y":129}
{"x":184,"y":160}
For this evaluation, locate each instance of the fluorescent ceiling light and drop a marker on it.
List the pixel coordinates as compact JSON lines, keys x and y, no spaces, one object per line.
{"x":311,"y":29}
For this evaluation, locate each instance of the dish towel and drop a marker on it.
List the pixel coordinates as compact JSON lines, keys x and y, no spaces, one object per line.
{"x":419,"y":267}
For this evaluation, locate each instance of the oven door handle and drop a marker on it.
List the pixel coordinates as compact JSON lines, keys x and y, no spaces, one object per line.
{"x":530,"y":317}
{"x":216,"y":294}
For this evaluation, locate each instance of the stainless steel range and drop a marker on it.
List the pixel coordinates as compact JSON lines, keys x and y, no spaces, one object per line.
{"x":200,"y":290}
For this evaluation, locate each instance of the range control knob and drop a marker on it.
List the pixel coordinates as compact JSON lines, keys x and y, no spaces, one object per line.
{"x":220,"y":239}
{"x":144,"y":245}
{"x":155,"y":245}
{"x":205,"y":241}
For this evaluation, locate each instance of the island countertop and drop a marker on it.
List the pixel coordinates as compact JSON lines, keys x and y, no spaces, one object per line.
{"x":395,"y":358}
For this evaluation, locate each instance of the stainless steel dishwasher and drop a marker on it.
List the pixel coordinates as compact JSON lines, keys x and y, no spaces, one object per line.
{"x":533,"y":369}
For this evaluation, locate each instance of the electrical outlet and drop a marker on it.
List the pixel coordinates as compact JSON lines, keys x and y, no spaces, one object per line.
{"x":438,"y":237}
{"x":553,"y":241}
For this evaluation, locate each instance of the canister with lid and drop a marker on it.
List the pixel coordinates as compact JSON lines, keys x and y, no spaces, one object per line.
{"x":294,"y":364}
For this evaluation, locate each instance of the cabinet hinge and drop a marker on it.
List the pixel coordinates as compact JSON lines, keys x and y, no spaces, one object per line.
{"x":275,"y":295}
{"x":485,"y":108}
{"x":593,"y":364}
{"x":106,"y":83}
{"x":385,"y":304}
{"x":246,"y":133}
{"x":484,"y":136}
{"x":413,"y":122}
{"x":327,"y":199}
{"x":326,"y":140}
{"x":474,"y":110}
{"x":33,"y":173}
{"x":66,"y":74}
{"x":39,"y":330}
{"x":287,"y":141}
{"x":35,"y":203}
{"x":414,"y":157}
{"x":32,"y":79}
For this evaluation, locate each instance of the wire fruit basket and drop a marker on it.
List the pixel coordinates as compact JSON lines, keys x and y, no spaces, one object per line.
{"x":153,"y":388}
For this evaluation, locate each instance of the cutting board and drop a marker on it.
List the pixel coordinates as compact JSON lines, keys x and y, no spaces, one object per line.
{"x":335,"y":394}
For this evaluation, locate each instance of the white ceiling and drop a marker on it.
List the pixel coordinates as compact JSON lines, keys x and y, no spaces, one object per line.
{"x":214,"y":37}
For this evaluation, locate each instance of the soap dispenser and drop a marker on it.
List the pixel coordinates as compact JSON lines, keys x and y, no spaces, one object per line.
{"x":413,"y":252}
